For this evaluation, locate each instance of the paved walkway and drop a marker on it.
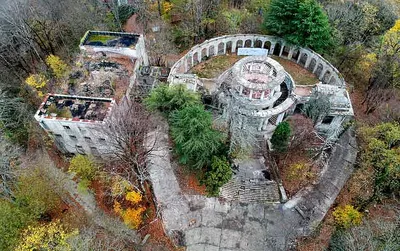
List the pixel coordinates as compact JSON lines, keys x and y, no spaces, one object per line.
{"x":208,"y":224}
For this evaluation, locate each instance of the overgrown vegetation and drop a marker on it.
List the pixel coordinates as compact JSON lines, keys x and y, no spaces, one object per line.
{"x":217,"y":175}
{"x":280,"y":138}
{"x":195,"y":139}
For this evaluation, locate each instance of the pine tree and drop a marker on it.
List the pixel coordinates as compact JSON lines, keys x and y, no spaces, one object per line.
{"x":280,"y":138}
{"x":300,"y":22}
{"x":195,"y":140}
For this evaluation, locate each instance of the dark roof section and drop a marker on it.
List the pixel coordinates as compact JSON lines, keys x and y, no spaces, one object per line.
{"x":74,"y":107}
{"x":110,"y":39}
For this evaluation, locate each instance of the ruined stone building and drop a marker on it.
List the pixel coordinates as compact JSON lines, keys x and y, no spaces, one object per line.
{"x":109,"y":62}
{"x":258,"y":92}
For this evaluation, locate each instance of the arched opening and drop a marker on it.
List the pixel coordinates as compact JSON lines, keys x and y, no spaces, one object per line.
{"x":319,"y":69}
{"x":211,"y":51}
{"x":221,"y":47}
{"x":239,"y":44}
{"x":229,"y":47}
{"x":285,"y":52}
{"x":189,"y":62}
{"x":247,"y":44}
{"x":312,"y":65}
{"x":303,"y":59}
{"x":298,"y":109}
{"x":333,"y":81}
{"x":195,"y":58}
{"x":204,"y":54}
{"x":258,"y":44}
{"x":277,"y":49}
{"x":326,"y":77}
{"x":295,"y":55}
{"x":267,"y":45}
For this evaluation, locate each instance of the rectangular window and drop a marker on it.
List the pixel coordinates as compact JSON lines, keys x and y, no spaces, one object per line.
{"x":94,"y":151}
{"x":327,"y":120}
{"x":80,"y":149}
{"x":73,"y":137}
{"x":66,"y":127}
{"x":102,"y":140}
{"x":58,"y":135}
{"x":44,"y":125}
{"x":87,"y":139}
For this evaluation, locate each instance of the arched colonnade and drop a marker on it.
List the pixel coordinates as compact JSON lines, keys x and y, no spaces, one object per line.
{"x":306,"y":58}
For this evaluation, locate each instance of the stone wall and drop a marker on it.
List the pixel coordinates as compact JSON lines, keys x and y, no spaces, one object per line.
{"x":306,"y":58}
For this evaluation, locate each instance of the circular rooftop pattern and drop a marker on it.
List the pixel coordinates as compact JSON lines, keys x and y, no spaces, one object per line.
{"x":258,"y":73}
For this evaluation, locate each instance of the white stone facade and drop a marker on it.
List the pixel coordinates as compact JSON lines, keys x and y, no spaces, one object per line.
{"x":75,"y":135}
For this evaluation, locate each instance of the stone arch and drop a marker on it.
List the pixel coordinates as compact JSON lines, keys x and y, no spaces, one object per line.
{"x":285,"y":51}
{"x":195,"y":58}
{"x":312,"y":65}
{"x":295,"y":54}
{"x":332,"y":81}
{"x":239,"y":44}
{"x":303,"y":59}
{"x":189,"y":61}
{"x":267,"y":45}
{"x":228,"y":47}
{"x":211,"y":51}
{"x":247,"y":43}
{"x":319,"y":70}
{"x":221,"y":48}
{"x":326,"y":77}
{"x":204,"y":54}
{"x":277,"y":49}
{"x":258,"y":44}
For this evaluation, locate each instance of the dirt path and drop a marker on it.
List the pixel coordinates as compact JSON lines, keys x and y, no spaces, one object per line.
{"x":85,"y":200}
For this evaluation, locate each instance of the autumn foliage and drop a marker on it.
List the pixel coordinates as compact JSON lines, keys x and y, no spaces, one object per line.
{"x":347,"y":216}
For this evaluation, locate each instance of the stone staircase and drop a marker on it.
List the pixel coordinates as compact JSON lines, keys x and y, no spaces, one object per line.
{"x":250,"y":184}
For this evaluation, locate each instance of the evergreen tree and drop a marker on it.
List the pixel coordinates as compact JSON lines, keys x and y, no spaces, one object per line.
{"x":280,"y":17}
{"x":280,"y":138}
{"x":300,"y":22}
{"x":195,"y":140}
{"x":217,"y":175}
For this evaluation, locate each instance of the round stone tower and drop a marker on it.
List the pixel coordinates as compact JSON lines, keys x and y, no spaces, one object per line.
{"x":255,"y":94}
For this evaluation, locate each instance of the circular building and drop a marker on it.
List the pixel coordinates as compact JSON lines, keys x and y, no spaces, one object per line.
{"x":255,"y":94}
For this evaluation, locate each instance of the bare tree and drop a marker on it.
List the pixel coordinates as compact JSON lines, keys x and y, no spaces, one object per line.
{"x":8,"y":178}
{"x":128,"y":132}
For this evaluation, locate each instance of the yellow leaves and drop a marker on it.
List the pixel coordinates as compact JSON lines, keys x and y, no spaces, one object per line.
{"x":300,"y":171}
{"x":58,"y":67}
{"x":133,"y":197}
{"x":38,"y":82}
{"x":132,"y":215}
{"x":396,"y":27}
{"x":347,"y":216}
{"x":117,"y":208}
{"x":167,"y":7}
{"x":52,"y":236}
{"x":120,"y":186}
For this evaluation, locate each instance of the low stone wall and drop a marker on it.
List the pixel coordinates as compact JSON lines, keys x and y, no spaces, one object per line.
{"x":313,"y":202}
{"x":304,"y":57}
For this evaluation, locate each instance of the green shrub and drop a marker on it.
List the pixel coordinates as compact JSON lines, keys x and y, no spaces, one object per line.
{"x":83,"y":186}
{"x":280,"y":138}
{"x":195,"y":140}
{"x":168,"y":99}
{"x":217,"y":175}
{"x":36,"y":195}
{"x":12,"y":221}
{"x":125,"y":12}
{"x":83,"y":166}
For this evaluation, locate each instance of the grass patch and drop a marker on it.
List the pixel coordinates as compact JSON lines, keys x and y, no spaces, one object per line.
{"x":215,"y":66}
{"x":300,"y":75}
